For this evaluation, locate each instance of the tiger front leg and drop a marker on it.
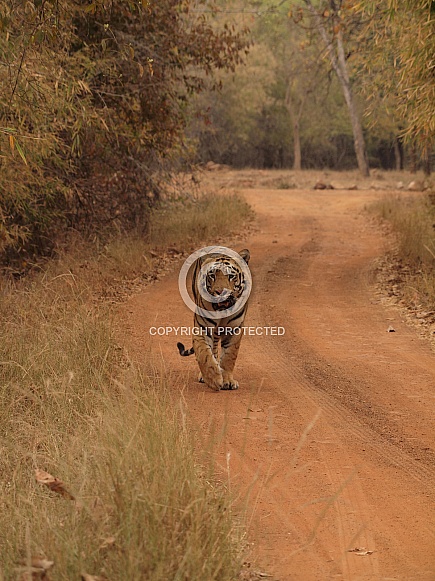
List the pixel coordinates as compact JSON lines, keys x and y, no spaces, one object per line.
{"x":210,"y":370}
{"x":215,"y":354}
{"x":230,"y":348}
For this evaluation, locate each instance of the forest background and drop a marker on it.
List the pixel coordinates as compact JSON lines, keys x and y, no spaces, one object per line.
{"x":103,"y":102}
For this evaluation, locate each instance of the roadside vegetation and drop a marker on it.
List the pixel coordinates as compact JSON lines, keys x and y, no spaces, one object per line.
{"x":103,"y":102}
{"x":93,"y":110}
{"x":132,"y":502}
{"x":326,"y":84}
{"x":206,"y":218}
{"x":413,"y":220}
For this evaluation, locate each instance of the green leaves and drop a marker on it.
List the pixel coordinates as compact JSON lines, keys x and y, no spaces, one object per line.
{"x":13,"y":143}
{"x":18,"y":147}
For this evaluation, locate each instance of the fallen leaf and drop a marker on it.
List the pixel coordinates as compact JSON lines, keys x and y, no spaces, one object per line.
{"x":391,"y":329}
{"x":107,"y":543}
{"x":360,"y":551}
{"x":36,"y":571}
{"x":31,"y":574}
{"x":52,"y":483}
{"x":42,"y":563}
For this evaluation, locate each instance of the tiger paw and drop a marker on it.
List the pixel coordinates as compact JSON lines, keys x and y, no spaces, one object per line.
{"x":212,"y":377}
{"x":230,"y":385}
{"x":215,"y":385}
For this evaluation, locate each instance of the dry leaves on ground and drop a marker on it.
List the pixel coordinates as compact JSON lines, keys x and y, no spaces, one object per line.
{"x":36,"y":570}
{"x":52,"y":483}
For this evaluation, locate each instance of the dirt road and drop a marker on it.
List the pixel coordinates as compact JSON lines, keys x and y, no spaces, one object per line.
{"x":331,"y":435}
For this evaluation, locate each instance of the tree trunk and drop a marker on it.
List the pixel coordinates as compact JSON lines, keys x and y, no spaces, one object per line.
{"x":358,"y":135}
{"x":338,"y":62}
{"x":427,"y":166}
{"x":297,"y":163}
{"x":397,"y":154}
{"x":413,"y":158}
{"x":295,"y":119}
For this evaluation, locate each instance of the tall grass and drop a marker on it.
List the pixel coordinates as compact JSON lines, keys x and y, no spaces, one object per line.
{"x":413,"y":220}
{"x":73,"y":405}
{"x":181,"y":225}
{"x":203,"y":219}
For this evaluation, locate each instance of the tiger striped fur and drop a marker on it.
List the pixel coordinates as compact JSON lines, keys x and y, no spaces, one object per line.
{"x":223,"y":275}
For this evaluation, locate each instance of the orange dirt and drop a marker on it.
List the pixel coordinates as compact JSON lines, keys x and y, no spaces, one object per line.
{"x":331,"y":435}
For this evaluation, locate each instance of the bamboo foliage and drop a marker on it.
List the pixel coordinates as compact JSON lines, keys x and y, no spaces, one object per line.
{"x":92,"y":104}
{"x":399,"y":62}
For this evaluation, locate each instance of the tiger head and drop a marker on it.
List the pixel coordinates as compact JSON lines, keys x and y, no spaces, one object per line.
{"x":223,"y":279}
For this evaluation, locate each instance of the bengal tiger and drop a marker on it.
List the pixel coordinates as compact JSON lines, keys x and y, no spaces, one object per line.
{"x":223,"y":278}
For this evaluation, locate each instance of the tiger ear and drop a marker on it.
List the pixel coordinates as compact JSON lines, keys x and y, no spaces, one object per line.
{"x":245,"y":254}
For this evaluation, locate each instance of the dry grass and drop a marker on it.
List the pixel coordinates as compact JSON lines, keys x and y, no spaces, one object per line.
{"x":413,"y":219}
{"x":205,"y":219}
{"x":183,"y":225}
{"x":73,"y":405}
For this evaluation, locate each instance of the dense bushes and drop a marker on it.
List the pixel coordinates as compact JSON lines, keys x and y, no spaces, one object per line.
{"x":93,"y":107}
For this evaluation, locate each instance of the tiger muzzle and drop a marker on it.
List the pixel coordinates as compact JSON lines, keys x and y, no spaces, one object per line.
{"x":225,"y":303}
